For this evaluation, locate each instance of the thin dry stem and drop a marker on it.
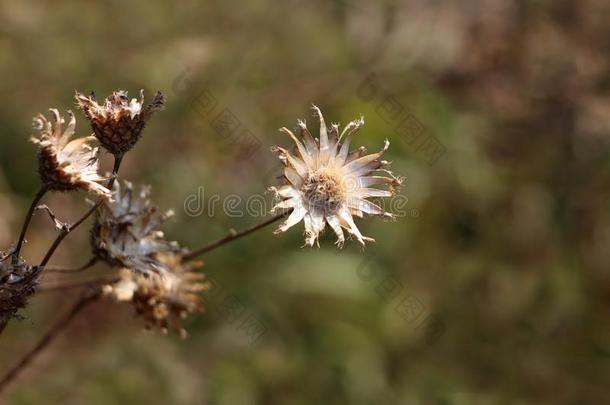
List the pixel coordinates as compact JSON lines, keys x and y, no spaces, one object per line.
{"x":66,"y":230}
{"x":28,"y":217}
{"x":85,"y":266}
{"x":88,"y":296}
{"x":75,"y":284}
{"x":233,"y":235}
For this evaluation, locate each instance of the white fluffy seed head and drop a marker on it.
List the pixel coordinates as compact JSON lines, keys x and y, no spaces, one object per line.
{"x":324,"y":183}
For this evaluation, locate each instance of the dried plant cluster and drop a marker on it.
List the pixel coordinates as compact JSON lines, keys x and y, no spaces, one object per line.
{"x":125,"y":232}
{"x":323,"y":183}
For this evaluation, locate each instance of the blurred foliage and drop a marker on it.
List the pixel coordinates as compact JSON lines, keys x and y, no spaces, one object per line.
{"x":504,"y":243}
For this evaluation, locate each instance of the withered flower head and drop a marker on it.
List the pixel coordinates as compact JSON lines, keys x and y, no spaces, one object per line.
{"x":17,"y":282}
{"x":125,"y":231}
{"x":325,"y":183}
{"x":65,"y":164}
{"x":162,"y":299}
{"x":118,"y":122}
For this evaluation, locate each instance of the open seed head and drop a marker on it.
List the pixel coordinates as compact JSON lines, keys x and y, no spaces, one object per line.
{"x":66,"y":164}
{"x":162,"y":299}
{"x":326,"y":183}
{"x":118,"y":122}
{"x":125,"y":232}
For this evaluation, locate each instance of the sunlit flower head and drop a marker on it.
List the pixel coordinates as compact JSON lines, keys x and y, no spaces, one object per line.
{"x":162,"y":299}
{"x":65,"y":164}
{"x":118,"y":122}
{"x":125,"y":232}
{"x":326,"y":183}
{"x":18,"y":281}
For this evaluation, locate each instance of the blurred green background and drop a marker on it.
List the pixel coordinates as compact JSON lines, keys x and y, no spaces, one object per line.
{"x":493,"y":288}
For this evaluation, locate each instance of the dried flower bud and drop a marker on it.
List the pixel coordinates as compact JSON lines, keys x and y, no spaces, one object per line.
{"x":163,"y":299}
{"x":65,"y":164}
{"x":125,"y":231}
{"x":118,"y":122}
{"x":18,"y":281}
{"x":325,"y":183}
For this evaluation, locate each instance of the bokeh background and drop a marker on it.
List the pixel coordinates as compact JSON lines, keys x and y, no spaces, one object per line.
{"x":493,"y":288}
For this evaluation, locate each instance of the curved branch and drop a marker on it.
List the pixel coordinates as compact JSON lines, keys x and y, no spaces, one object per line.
{"x":85,"y":266}
{"x":88,"y":296}
{"x":233,"y":235}
{"x":75,"y":284}
{"x":28,"y":217}
{"x":65,"y":231}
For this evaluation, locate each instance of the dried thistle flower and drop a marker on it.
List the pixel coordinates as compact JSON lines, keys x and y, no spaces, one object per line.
{"x":118,"y":122}
{"x":125,"y":233}
{"x":162,"y":299}
{"x":18,"y":281}
{"x":65,"y":164}
{"x":325,"y":183}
